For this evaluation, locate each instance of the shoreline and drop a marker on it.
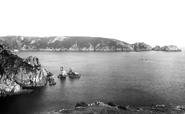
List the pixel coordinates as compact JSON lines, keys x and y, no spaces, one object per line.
{"x":91,"y":51}
{"x":111,"y":108}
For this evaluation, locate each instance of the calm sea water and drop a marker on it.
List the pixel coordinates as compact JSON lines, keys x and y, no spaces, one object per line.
{"x":131,"y":78}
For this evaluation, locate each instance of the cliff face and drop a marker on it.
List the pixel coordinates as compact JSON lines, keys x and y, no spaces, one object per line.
{"x":65,"y":43}
{"x":16,"y":73}
{"x":169,"y":48}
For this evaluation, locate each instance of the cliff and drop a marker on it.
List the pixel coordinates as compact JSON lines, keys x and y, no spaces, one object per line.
{"x":71,"y":43}
{"x":16,"y":73}
{"x":57,"y":43}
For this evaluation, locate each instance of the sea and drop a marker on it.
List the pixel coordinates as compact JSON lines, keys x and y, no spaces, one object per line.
{"x":124,"y":78}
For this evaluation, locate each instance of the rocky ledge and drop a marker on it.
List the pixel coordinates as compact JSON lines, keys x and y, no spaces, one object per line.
{"x":169,"y":48}
{"x":17,"y":73}
{"x":111,"y":108}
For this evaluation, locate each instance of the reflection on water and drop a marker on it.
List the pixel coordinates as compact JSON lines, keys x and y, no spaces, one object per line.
{"x":135,"y":79}
{"x":73,"y":79}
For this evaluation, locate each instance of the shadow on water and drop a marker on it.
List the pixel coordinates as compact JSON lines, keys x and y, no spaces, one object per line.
{"x":22,"y":104}
{"x":62,"y":81}
{"x":72,"y":80}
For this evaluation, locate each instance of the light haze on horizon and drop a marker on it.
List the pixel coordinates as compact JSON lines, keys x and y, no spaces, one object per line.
{"x":155,"y":22}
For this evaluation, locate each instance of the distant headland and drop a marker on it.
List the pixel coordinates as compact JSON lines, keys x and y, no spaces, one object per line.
{"x":78,"y":43}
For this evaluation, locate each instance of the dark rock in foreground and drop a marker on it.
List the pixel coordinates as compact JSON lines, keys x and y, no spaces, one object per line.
{"x":110,"y":108}
{"x":16,"y":73}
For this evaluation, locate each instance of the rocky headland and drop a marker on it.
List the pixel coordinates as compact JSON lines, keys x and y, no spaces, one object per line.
{"x":141,"y":46}
{"x":17,"y":73}
{"x":71,"y":43}
{"x":111,"y":108}
{"x":169,"y":48}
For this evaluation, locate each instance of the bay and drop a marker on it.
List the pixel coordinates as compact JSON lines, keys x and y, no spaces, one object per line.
{"x":124,"y":78}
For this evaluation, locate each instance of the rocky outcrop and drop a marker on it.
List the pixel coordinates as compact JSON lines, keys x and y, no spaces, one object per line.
{"x":111,"y":108}
{"x":157,"y":48}
{"x":33,"y":61}
{"x":140,"y":46}
{"x":16,"y":73}
{"x":169,"y":48}
{"x":9,"y":87}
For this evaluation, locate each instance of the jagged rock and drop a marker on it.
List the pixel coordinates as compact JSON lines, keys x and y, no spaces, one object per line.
{"x":16,"y":73}
{"x":34,"y":61}
{"x":140,"y":46}
{"x":51,"y":81}
{"x":31,"y":78}
{"x":10,"y":87}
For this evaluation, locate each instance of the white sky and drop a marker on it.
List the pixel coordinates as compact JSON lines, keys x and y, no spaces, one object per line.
{"x":155,"y":22}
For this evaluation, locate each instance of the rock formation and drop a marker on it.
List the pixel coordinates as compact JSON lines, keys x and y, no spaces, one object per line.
{"x":140,"y":46}
{"x":33,"y":61}
{"x":169,"y":48}
{"x":157,"y":48}
{"x":16,"y":73}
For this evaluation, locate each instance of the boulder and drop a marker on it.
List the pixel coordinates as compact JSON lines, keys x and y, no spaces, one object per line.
{"x":51,"y":81}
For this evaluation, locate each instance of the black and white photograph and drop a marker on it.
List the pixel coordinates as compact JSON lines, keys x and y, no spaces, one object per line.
{"x":92,"y":57}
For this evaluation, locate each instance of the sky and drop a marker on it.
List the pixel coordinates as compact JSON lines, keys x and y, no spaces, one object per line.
{"x":155,"y":22}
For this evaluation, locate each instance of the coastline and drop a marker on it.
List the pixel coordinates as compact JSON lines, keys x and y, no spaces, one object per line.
{"x":111,"y":108}
{"x":37,"y":50}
